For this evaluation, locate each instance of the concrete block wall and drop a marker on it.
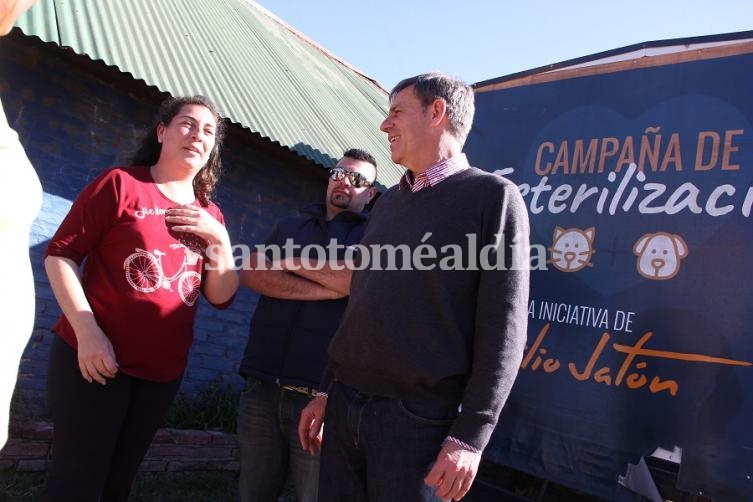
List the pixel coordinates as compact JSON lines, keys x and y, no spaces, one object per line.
{"x":76,"y":117}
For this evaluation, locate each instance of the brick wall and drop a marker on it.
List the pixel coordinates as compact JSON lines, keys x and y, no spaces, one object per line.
{"x":76,"y":117}
{"x":171,"y":450}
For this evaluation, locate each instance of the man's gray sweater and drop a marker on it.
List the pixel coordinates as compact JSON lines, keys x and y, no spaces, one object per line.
{"x":453,"y":333}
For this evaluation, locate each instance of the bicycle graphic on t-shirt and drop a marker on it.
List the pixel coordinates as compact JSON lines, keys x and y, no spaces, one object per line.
{"x":144,"y":273}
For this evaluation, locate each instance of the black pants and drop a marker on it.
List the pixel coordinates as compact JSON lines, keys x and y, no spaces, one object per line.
{"x":101,"y":432}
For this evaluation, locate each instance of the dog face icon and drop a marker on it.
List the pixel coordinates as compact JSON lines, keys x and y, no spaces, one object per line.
{"x":659,"y":255}
{"x":572,"y":248}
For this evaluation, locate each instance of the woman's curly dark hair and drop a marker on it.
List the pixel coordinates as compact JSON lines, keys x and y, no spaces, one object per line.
{"x":149,"y":149}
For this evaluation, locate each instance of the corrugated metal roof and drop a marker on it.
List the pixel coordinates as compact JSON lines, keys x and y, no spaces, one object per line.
{"x":262,"y":73}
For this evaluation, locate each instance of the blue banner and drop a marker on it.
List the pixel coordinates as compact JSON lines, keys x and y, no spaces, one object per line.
{"x":639,"y":186}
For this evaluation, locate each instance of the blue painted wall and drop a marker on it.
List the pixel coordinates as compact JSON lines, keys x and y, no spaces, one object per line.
{"x":76,"y":117}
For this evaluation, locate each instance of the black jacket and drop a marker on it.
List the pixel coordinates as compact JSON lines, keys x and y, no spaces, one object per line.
{"x":288,"y":339}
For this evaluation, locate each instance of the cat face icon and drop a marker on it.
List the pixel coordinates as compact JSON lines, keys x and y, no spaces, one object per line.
{"x":659,"y":255}
{"x":572,"y":248}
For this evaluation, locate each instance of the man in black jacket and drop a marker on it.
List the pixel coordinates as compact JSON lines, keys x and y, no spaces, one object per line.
{"x":290,"y":330}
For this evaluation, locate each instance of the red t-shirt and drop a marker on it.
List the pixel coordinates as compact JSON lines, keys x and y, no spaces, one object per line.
{"x":142,"y":280}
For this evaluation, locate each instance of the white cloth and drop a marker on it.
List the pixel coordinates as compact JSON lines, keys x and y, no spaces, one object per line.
{"x":19,"y":206}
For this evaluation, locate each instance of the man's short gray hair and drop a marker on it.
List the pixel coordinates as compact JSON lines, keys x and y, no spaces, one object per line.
{"x":457,"y":94}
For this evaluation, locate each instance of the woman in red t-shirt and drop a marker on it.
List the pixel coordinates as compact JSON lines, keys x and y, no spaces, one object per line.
{"x":153,"y":241}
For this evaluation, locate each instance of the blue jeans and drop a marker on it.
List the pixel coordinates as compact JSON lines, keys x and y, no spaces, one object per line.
{"x":269,"y":448}
{"x":376,"y":448}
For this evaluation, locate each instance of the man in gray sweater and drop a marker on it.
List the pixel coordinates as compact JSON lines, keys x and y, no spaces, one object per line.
{"x":432,"y":338}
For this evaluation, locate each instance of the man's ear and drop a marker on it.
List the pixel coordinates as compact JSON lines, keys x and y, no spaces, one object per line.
{"x":438,"y":109}
{"x":372,"y":193}
{"x":160,"y":132}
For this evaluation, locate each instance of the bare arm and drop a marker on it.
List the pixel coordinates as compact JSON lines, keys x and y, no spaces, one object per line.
{"x":221,"y":279}
{"x":276,"y":283}
{"x":96,"y":357}
{"x":335,"y":276}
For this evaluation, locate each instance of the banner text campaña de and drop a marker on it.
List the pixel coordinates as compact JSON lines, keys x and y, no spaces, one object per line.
{"x":628,"y":187}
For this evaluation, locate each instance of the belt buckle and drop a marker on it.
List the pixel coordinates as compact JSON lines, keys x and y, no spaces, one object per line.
{"x":299,"y":389}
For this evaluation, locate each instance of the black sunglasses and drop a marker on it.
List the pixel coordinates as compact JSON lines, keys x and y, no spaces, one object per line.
{"x":358,"y":180}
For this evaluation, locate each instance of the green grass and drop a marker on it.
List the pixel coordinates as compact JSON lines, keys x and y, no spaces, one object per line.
{"x":19,"y":486}
{"x":214,"y":407}
{"x":218,"y":486}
